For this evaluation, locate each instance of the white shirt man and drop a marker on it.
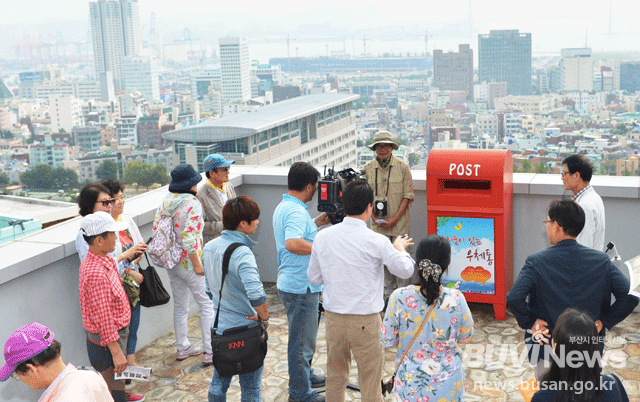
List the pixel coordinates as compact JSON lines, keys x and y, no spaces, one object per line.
{"x":349,"y":260}
{"x":576,"y":176}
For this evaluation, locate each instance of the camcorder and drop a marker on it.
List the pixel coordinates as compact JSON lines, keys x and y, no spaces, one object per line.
{"x":330,"y":189}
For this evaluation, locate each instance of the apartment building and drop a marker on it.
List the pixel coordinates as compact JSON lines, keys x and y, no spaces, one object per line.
{"x":454,"y":71}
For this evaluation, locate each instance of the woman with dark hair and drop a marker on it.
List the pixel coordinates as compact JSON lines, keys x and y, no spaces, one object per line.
{"x":187,"y":275}
{"x":431,"y":368}
{"x":243,"y":300}
{"x":96,"y":197}
{"x":131,"y":278}
{"x":579,"y":378}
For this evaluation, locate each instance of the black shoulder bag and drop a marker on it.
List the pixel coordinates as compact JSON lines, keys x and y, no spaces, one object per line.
{"x":238,"y":350}
{"x":152,"y":292}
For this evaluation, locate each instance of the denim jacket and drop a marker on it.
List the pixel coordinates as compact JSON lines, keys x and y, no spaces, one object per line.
{"x":242,"y":287}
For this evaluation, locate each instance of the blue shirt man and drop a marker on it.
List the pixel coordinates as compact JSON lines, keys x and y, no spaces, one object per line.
{"x":294,"y":231}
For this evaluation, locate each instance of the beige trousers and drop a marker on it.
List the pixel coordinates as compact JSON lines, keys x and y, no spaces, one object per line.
{"x":359,"y":335}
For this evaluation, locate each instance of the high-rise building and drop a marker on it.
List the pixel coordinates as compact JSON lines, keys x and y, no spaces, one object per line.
{"x":542,"y":77}
{"x":454,"y":71}
{"x":65,"y":112}
{"x":505,"y":55}
{"x":606,"y":76}
{"x":235,"y":70}
{"x":141,"y":74}
{"x":115,"y":29}
{"x":5,"y":93}
{"x":630,"y":76}
{"x":576,"y":67}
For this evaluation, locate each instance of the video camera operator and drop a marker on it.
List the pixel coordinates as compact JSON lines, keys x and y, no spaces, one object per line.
{"x":349,"y":259}
{"x":294,"y":231}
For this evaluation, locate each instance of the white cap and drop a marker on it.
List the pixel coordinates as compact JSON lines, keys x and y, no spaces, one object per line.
{"x":100,"y":222}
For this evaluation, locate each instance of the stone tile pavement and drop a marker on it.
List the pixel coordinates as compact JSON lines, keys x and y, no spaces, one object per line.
{"x":487,"y":379}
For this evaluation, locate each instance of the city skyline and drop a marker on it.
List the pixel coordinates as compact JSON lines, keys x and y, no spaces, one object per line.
{"x":317,"y":30}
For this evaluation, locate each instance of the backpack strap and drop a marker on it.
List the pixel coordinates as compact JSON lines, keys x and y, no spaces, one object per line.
{"x":225,"y":269}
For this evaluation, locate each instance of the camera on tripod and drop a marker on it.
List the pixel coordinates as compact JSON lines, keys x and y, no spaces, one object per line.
{"x":330,"y":189}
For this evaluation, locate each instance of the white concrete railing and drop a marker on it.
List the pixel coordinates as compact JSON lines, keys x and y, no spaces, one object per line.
{"x":39,"y":273}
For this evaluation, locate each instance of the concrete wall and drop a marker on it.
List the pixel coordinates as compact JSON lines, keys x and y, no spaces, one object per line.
{"x":39,"y":273}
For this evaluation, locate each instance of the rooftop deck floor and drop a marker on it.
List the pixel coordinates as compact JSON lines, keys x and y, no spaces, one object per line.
{"x":188,"y":380}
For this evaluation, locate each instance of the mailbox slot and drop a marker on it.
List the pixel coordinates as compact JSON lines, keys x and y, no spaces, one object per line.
{"x":478,"y":187}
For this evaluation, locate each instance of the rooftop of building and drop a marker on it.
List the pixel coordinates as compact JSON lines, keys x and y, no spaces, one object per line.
{"x":32,"y":208}
{"x":48,"y":258}
{"x":270,"y":116}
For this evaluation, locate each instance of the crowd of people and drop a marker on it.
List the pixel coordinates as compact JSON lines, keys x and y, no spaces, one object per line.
{"x":373,"y":293}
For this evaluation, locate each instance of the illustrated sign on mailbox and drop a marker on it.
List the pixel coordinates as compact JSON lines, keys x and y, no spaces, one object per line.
{"x":472,"y":266}
{"x":469,"y":197}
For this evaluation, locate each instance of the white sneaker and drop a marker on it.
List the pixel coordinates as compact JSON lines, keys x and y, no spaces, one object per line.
{"x":188,"y":352}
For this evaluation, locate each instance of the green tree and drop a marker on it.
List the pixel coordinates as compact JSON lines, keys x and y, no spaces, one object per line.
{"x":138,"y":173}
{"x":6,"y":134}
{"x":621,"y":129}
{"x":526,"y":166}
{"x":39,"y":177}
{"x":160,"y":175}
{"x":62,"y":178}
{"x":414,"y":158}
{"x":4,"y":179}
{"x":516,"y":168}
{"x":108,"y":169}
{"x":540,"y":167}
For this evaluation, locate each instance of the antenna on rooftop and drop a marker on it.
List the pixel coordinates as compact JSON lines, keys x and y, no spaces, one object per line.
{"x":586,"y":35}
{"x":610,"y":17}
{"x":470,"y":20}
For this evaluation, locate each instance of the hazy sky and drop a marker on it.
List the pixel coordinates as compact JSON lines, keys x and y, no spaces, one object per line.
{"x":24,"y":11}
{"x":553,"y":23}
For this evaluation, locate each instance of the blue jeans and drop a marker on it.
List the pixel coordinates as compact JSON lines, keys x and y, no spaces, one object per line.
{"x":302,"y":313}
{"x":133,"y":330}
{"x":250,"y":385}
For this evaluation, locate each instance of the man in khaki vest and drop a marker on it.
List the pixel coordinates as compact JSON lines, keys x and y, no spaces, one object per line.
{"x":392,"y":184}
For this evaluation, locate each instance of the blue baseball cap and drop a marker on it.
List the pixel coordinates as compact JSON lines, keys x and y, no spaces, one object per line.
{"x":215,"y":161}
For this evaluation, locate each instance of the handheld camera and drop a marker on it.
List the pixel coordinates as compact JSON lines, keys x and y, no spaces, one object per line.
{"x":330,"y":189}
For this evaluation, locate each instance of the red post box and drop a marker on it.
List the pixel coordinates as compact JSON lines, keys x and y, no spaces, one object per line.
{"x":469,"y":197}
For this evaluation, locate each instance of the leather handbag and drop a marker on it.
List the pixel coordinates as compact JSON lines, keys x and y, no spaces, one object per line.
{"x":387,"y":387}
{"x":238,"y":350}
{"x":152,"y":292}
